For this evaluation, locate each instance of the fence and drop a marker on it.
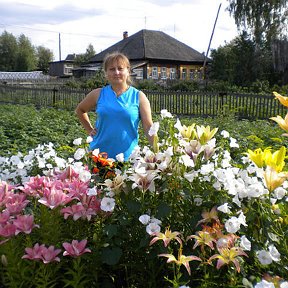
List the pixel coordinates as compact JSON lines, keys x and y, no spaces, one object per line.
{"x":197,"y":104}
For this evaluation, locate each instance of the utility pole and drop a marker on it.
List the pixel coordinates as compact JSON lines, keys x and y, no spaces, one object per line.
{"x":59,"y":47}
{"x":207,"y":52}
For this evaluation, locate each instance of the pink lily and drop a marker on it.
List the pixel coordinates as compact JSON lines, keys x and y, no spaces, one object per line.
{"x":16,"y":203}
{"x":76,"y":248}
{"x":54,"y":198}
{"x":34,"y":253}
{"x":24,"y":223}
{"x":77,"y":211}
{"x":49,"y":254}
{"x":4,"y":216}
{"x":7,"y":230}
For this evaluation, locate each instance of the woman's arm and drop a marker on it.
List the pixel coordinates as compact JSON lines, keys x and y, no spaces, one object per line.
{"x":146,"y":116}
{"x":86,"y":105}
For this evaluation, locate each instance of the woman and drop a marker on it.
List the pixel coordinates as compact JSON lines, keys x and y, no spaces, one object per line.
{"x":119,"y":108}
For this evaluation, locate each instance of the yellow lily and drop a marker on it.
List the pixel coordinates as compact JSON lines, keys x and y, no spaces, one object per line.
{"x":283,"y":123}
{"x":283,"y":100}
{"x":256,"y":156}
{"x":273,"y":179}
{"x":203,"y":238}
{"x":166,"y":237}
{"x":182,"y":259}
{"x":188,"y":132}
{"x":228,"y":255}
{"x":204,"y":134}
{"x":276,"y":159}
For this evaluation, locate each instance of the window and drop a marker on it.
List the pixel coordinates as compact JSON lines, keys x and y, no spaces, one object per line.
{"x":172,"y":73}
{"x":154,"y":72}
{"x":184,"y":72}
{"x":163,"y":72}
{"x":139,"y":73}
{"x":192,"y":74}
{"x":68,"y":69}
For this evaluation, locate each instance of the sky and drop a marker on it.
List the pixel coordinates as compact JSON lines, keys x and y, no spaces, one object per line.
{"x":69,"y":26}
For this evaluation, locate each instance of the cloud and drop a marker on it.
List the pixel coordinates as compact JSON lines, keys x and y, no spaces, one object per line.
{"x":25,"y":14}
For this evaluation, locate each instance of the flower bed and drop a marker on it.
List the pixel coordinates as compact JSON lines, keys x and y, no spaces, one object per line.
{"x":181,"y":214}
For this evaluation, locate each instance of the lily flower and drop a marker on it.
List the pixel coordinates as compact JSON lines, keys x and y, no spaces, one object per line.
{"x":209,"y":216}
{"x":273,"y":179}
{"x":276,"y":159}
{"x":283,"y":100}
{"x":228,"y":255}
{"x":76,"y":248}
{"x":283,"y":123}
{"x":204,"y":134}
{"x":166,"y":237}
{"x":182,"y":259}
{"x":203,"y":238}
{"x":256,"y":156}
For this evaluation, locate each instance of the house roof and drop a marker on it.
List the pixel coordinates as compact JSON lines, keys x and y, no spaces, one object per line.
{"x":152,"y":45}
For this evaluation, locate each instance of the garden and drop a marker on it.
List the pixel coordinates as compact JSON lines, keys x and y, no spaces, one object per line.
{"x":206,"y":206}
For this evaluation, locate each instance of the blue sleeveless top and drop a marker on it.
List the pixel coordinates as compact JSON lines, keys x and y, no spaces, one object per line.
{"x":117,"y":122}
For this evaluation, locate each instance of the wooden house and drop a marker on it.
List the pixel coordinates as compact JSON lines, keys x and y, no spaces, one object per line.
{"x":63,"y":68}
{"x":156,"y":55}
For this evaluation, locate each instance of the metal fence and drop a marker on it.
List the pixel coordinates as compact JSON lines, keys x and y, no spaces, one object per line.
{"x":193,"y":104}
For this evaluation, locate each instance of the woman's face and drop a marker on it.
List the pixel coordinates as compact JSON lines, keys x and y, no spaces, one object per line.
{"x":117,"y":72}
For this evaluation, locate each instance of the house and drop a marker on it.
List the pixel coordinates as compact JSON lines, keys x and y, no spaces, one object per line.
{"x":156,"y":55}
{"x":62,"y":68}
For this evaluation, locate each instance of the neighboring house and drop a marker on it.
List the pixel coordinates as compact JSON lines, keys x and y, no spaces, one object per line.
{"x":156,"y":55}
{"x":62,"y":68}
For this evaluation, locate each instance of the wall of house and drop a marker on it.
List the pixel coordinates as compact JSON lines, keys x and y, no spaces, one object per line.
{"x":60,"y":68}
{"x":169,"y":71}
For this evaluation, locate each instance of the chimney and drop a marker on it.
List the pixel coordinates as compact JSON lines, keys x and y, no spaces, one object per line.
{"x":125,"y":35}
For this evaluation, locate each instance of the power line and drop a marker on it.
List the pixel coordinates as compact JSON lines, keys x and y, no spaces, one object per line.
{"x":46,"y":30}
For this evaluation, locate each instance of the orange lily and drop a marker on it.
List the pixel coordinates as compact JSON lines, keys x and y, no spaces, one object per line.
{"x":166,"y":237}
{"x":209,"y":216}
{"x":182,"y":259}
{"x":228,"y":255}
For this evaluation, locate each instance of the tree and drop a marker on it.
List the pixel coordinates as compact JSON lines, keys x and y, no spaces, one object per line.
{"x":8,"y":51}
{"x":81,"y":59}
{"x":26,"y":57}
{"x":240,"y":62}
{"x":44,"y":56}
{"x":266,"y":20}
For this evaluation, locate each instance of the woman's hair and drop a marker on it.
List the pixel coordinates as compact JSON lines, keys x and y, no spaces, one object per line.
{"x":117,"y":57}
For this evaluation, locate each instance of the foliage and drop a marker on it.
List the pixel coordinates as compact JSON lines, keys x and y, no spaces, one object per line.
{"x":8,"y":51}
{"x":182,"y":213}
{"x":20,"y":133}
{"x":19,"y":54}
{"x":81,"y":59}
{"x":241,"y":62}
{"x":265,"y":19}
{"x":44,"y":57}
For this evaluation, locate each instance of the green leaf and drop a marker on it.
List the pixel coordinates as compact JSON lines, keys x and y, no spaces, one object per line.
{"x":110,"y":230}
{"x":163,"y":210}
{"x":111,"y":256}
{"x":133,"y":206}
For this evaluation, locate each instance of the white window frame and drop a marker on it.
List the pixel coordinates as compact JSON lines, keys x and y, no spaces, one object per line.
{"x":154,"y":72}
{"x":172,"y":73}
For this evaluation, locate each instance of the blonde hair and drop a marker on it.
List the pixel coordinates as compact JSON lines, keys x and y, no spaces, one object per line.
{"x":117,"y":57}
